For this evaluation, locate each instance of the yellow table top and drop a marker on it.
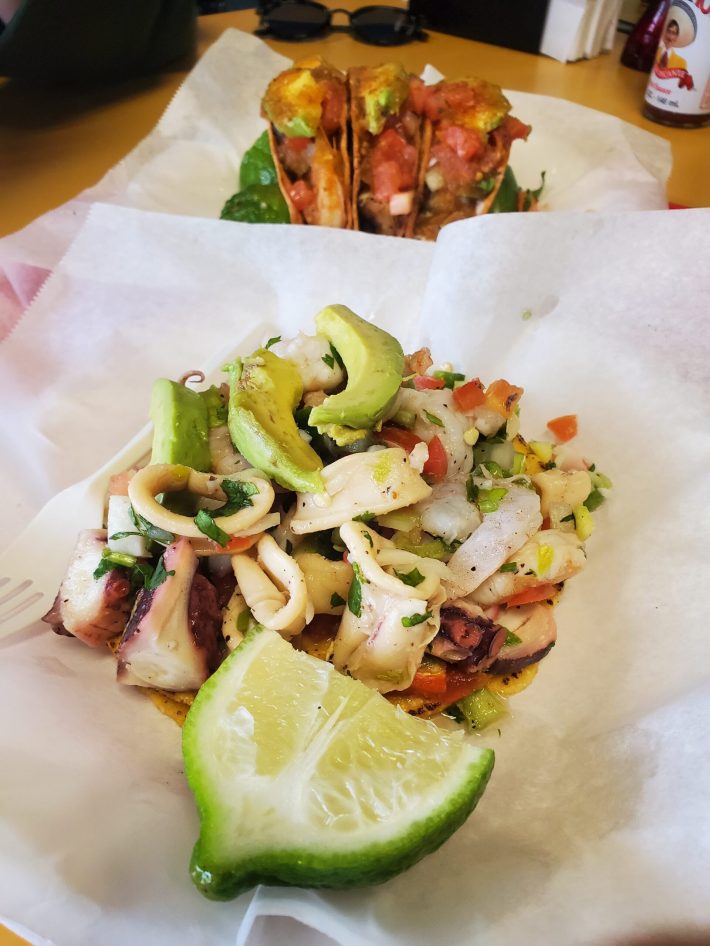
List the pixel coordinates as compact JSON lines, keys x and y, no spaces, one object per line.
{"x":58,"y":141}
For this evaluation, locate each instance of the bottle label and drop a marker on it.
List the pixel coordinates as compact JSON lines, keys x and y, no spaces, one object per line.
{"x":680,"y":78}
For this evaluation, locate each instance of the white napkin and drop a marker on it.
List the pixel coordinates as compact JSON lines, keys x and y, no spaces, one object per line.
{"x":189,"y":163}
{"x":592,"y":826}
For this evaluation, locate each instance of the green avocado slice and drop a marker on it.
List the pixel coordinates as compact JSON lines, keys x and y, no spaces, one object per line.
{"x":374,"y":362}
{"x":264,"y":392}
{"x":180,"y":426}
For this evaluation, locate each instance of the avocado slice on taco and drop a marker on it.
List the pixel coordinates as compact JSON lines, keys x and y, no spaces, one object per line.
{"x":306,"y":107}
{"x":387,"y":149}
{"x":467,"y":137}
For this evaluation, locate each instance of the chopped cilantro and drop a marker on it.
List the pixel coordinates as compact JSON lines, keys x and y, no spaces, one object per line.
{"x":511,"y":639}
{"x":159,"y":575}
{"x":415,"y":619}
{"x":329,"y":360}
{"x":273,"y":341}
{"x":471,"y":490}
{"x":509,"y":567}
{"x":449,"y":377}
{"x":364,"y":517}
{"x":336,"y":355}
{"x":206,"y":524}
{"x":433,"y":419}
{"x":355,"y":593}
{"x":237,"y":493}
{"x":594,"y":500}
{"x":412,"y":578}
{"x":154,"y":533}
{"x":336,"y":600}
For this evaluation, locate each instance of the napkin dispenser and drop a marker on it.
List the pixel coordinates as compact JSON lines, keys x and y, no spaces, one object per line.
{"x":516,"y":24}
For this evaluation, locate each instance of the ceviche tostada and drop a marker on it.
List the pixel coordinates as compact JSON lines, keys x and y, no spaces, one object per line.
{"x":378,"y":150}
{"x":379,"y":512}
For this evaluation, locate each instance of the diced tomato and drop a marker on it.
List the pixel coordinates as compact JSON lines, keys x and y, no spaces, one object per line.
{"x":428,"y":684}
{"x":502,"y":397}
{"x":469,"y":395}
{"x":333,"y":107}
{"x":386,"y":179}
{"x":425,"y":382}
{"x":564,"y":428}
{"x":398,"y":437}
{"x":461,"y":683}
{"x":417,"y":95}
{"x":297,"y":144}
{"x":240,"y":543}
{"x":438,"y":463}
{"x":465,"y":142}
{"x":531,"y":595}
{"x":302,"y":195}
{"x":456,"y":170}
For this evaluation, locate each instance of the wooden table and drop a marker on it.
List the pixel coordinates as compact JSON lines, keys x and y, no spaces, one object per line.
{"x":56,"y":142}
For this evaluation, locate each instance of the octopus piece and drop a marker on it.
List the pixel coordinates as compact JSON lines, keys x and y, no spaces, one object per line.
{"x":92,"y":609}
{"x":172,"y":639}
{"x":534,"y":625}
{"x":467,"y":634}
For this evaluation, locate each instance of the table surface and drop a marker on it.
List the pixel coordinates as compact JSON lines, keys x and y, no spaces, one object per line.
{"x":56,"y":142}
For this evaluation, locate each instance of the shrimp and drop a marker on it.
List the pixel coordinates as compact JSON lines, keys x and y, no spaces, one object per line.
{"x":449,"y":425}
{"x":500,"y":535}
{"x":329,"y":209}
{"x":548,"y":557}
{"x":308,"y":352}
{"x":448,"y":513}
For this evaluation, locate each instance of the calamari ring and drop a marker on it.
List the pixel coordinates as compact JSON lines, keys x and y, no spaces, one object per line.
{"x":174,"y":478}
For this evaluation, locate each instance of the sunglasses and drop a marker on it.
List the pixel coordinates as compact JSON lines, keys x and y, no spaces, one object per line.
{"x":306,"y":19}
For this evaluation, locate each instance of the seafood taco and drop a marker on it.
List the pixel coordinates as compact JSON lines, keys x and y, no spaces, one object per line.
{"x":387,"y":150}
{"x":467,"y":136}
{"x":306,"y":107}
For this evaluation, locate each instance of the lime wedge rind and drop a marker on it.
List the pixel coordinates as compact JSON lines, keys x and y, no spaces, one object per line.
{"x":271,"y":828}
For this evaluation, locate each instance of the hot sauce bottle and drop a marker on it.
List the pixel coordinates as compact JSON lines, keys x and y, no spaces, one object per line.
{"x":678,"y":90}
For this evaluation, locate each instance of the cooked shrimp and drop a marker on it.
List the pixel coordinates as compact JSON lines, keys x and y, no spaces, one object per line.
{"x":500,"y":534}
{"x":548,"y":557}
{"x":448,"y":513}
{"x":307,"y":353}
{"x":451,"y":426}
{"x":560,"y":491}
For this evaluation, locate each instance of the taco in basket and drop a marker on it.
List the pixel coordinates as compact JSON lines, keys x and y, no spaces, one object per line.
{"x":467,"y":136}
{"x":387,"y":150}
{"x":306,"y":107}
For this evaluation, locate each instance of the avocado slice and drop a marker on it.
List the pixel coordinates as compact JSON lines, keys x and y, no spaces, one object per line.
{"x":374,"y":362}
{"x":180,"y":426}
{"x":264,"y":392}
{"x":292,"y":103}
{"x":383,"y":89}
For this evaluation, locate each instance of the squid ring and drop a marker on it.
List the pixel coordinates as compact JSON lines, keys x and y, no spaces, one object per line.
{"x":285,"y":611}
{"x":173,"y":478}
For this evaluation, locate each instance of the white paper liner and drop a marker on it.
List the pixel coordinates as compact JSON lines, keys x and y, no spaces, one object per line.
{"x":602,"y":773}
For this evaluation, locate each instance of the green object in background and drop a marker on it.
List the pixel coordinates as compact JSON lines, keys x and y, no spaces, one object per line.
{"x":507,"y":197}
{"x":259,"y":199}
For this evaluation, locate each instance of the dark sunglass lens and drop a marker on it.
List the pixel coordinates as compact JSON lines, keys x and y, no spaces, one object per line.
{"x":383,"y":26}
{"x":296,"y":20}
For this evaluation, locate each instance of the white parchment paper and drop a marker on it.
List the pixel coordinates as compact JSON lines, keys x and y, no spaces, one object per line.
{"x":593,"y":826}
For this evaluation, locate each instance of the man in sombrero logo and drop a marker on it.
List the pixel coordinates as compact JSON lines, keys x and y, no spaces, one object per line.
{"x":679,"y":30}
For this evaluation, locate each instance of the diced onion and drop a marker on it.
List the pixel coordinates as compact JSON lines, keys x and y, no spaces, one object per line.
{"x":434,"y":179}
{"x":401,"y":204}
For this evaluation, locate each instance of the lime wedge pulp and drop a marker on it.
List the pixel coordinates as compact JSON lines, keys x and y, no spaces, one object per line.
{"x":308,"y":778}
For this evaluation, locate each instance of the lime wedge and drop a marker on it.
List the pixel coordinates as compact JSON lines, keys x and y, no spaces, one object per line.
{"x":308,"y":778}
